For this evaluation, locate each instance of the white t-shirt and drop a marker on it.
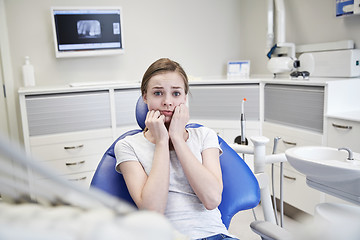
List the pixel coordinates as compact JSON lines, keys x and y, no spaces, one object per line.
{"x":184,"y":209}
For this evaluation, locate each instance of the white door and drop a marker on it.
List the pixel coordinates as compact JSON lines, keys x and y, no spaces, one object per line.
{"x":4,"y":127}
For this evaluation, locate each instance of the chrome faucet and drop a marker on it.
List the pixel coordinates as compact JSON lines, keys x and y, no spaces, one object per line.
{"x":350,"y":157}
{"x":276,"y":141}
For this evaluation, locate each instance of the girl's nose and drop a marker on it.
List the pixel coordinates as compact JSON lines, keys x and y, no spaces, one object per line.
{"x":167,"y":101}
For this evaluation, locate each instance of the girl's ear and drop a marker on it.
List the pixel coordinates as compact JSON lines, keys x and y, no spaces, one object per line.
{"x":144,"y":98}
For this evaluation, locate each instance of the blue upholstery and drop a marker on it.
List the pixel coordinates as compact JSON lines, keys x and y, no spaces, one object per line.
{"x":241,"y":190}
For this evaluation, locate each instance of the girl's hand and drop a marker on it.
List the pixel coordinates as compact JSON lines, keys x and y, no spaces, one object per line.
{"x":155,"y":122}
{"x":178,"y":122}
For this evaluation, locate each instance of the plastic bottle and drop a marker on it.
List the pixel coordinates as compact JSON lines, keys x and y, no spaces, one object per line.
{"x":28,"y":73}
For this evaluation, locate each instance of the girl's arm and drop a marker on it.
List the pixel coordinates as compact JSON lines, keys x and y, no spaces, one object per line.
{"x":151,"y":191}
{"x":205,"y":178}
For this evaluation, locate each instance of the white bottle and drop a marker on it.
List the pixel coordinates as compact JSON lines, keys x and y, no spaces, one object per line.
{"x":28,"y":73}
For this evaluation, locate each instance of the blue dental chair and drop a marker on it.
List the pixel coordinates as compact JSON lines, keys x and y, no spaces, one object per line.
{"x":240,"y":188}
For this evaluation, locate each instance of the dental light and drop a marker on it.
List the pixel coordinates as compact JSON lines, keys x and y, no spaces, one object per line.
{"x":280,"y":64}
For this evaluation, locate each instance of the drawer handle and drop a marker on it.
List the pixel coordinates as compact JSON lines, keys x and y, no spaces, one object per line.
{"x":78,"y":179}
{"x":290,"y":178}
{"x":75,"y":163}
{"x":289,"y":143}
{"x":341,"y":126}
{"x":74,"y":147}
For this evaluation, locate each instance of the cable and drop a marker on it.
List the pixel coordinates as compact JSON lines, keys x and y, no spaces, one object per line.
{"x":276,"y":140}
{"x":273,"y":193}
{"x":281,"y":196}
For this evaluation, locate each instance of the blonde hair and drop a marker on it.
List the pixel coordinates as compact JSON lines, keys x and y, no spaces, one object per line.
{"x":161,"y":66}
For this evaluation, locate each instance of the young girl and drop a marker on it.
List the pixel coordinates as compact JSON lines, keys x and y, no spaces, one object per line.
{"x":169,"y":168}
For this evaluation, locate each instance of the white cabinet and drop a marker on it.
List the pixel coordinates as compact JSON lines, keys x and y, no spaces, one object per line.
{"x":295,"y":114}
{"x":68,"y":130}
{"x":73,"y":156}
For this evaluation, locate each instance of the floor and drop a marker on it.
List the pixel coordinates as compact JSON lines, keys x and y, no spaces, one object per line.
{"x":240,"y":224}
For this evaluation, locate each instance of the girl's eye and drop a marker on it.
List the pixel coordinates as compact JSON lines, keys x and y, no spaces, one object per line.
{"x":158,"y":93}
{"x":176,"y":94}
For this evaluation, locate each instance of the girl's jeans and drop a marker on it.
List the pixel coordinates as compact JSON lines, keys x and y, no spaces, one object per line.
{"x":218,"y":237}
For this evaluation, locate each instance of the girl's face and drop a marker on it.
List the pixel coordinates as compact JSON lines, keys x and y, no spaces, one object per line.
{"x":164,"y":92}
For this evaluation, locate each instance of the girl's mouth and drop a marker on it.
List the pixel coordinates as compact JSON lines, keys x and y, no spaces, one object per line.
{"x":166,"y":113}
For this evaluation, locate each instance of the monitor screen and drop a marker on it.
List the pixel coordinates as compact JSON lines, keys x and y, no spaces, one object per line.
{"x":87,"y":31}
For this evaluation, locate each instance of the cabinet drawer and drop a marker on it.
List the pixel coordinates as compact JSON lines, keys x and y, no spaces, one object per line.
{"x":73,"y":165}
{"x":343,"y":133}
{"x":71,"y":149}
{"x":290,"y":137}
{"x":67,"y":112}
{"x":83,"y":179}
{"x":295,"y":190}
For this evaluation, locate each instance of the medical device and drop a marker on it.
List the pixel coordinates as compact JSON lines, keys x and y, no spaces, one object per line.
{"x":242,"y":120}
{"x":279,"y":64}
{"x":260,"y":161}
{"x":242,"y":140}
{"x":276,"y":142}
{"x":87,"y":31}
{"x":340,"y":63}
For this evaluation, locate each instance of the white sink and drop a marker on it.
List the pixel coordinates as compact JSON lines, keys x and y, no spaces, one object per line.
{"x":327,"y":169}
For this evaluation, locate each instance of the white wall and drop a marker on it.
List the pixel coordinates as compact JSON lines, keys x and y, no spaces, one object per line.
{"x":202,"y":35}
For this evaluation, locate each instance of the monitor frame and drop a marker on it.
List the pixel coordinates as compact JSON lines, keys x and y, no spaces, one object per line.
{"x":86,"y":52}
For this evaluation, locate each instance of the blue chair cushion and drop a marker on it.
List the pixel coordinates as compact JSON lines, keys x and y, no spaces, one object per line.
{"x":107,"y":179}
{"x":240,"y":187}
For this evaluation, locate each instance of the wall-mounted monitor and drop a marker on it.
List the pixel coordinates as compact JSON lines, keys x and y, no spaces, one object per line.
{"x":87,"y":31}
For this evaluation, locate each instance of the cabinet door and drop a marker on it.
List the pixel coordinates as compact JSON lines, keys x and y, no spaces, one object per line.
{"x":67,"y":112}
{"x":223,"y":102}
{"x":296,"y":106}
{"x":125,"y":105}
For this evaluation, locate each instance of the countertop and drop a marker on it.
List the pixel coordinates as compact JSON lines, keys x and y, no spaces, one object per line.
{"x":193,"y":81}
{"x":349,"y":115}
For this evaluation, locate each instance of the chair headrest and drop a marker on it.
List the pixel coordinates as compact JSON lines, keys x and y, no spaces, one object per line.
{"x":140,"y":112}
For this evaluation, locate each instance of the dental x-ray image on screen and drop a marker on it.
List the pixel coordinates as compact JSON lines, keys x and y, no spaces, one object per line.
{"x":89,"y":29}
